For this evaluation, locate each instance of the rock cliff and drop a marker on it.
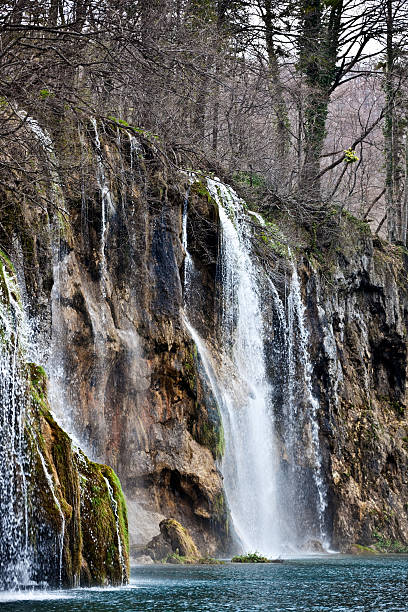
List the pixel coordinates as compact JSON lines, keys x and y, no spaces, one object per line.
{"x":101,"y":266}
{"x":358,"y":313}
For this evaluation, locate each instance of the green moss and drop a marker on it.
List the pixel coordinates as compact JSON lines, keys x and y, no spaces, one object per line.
{"x":7,"y":261}
{"x":176,"y":559}
{"x":200,"y":188}
{"x":361,"y":226}
{"x":38,"y":383}
{"x":190,"y":373}
{"x":364,"y":550}
{"x":121,"y":123}
{"x":101,"y":549}
{"x":272,"y":237}
{"x":122,"y":508}
{"x":211,"y":435}
{"x":220,"y":506}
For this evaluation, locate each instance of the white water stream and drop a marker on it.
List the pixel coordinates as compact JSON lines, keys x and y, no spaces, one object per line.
{"x":299,"y":356}
{"x":15,"y":554}
{"x":114,"y":506}
{"x":262,"y":497}
{"x":107,"y":206}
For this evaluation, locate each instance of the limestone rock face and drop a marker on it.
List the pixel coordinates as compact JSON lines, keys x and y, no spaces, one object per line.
{"x":64,"y":520}
{"x":104,"y":286}
{"x":359,"y":349}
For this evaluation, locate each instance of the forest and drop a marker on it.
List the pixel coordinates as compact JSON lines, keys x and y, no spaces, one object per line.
{"x":304,"y":100}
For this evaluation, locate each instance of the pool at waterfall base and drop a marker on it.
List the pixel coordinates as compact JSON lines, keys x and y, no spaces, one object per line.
{"x":335,"y":583}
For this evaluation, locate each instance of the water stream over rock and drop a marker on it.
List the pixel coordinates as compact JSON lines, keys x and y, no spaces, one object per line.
{"x":266,"y":496}
{"x":15,"y":554}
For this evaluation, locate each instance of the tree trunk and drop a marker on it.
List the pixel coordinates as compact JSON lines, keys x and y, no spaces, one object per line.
{"x":318,"y":49}
{"x":388,"y":130}
{"x":405,"y":200}
{"x":281,"y":128}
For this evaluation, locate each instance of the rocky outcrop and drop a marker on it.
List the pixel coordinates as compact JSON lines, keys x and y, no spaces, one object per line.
{"x":64,"y":520}
{"x":173,"y":545}
{"x":358,"y":314}
{"x":79,"y":503}
{"x":103,"y":282}
{"x":102,"y":272}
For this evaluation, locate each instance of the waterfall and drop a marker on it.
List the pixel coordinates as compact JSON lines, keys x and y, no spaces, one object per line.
{"x":114,"y":506}
{"x":106,"y":201}
{"x":135,"y":150}
{"x":188,"y":262}
{"x":276,"y":494}
{"x":251,"y":456}
{"x":50,"y":483}
{"x":15,"y":554}
{"x":301,"y":396}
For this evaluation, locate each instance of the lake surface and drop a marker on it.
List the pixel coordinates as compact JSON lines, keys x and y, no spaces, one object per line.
{"x":335,"y":584}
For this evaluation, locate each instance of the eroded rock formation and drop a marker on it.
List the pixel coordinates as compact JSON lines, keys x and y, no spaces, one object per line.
{"x":63,"y":518}
{"x":104,"y":284}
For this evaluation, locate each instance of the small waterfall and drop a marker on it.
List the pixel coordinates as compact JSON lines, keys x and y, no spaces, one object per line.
{"x":15,"y":554}
{"x":135,"y":150}
{"x":58,"y":506}
{"x":188,"y":262}
{"x":301,"y":396}
{"x":114,"y":505}
{"x":107,"y":206}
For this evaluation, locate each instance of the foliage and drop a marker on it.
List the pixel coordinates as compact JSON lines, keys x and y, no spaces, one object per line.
{"x":254,"y":557}
{"x":350,"y":156}
{"x":387,"y":545}
{"x":45,"y":93}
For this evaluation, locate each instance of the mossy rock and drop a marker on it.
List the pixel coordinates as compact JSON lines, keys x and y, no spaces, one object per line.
{"x":77,"y":520}
{"x":103,"y":523}
{"x":358,"y":549}
{"x":174,"y":544}
{"x":89,"y":495}
{"x":180,"y":538}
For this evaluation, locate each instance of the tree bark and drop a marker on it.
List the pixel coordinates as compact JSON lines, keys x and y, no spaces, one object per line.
{"x":388,"y":129}
{"x":405,"y":200}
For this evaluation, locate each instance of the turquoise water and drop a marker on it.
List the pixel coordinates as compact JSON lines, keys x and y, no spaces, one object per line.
{"x":332,"y":584}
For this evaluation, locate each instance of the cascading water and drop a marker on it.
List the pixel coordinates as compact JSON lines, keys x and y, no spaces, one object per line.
{"x":114,"y":506}
{"x":106,"y":201}
{"x":240,"y":385}
{"x":302,"y":405}
{"x":25,"y":542}
{"x":251,"y":457}
{"x":15,"y":554}
{"x":268,"y":496}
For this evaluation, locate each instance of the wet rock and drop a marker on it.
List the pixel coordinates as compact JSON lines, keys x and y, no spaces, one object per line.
{"x":314,"y":546}
{"x":173,"y":542}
